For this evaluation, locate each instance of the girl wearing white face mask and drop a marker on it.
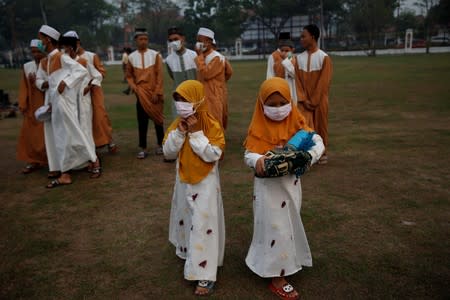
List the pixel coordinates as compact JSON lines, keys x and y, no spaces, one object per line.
{"x":279,"y":246}
{"x":197,"y":229}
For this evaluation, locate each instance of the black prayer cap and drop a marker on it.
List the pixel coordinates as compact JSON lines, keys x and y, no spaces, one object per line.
{"x":175,"y":30}
{"x":284,"y":39}
{"x":140,"y":31}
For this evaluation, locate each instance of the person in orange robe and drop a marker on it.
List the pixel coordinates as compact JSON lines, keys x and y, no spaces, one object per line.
{"x":211,"y":72}
{"x":101,"y":124}
{"x":314,"y":70}
{"x":31,"y":143}
{"x":145,"y":78}
{"x":282,"y":62}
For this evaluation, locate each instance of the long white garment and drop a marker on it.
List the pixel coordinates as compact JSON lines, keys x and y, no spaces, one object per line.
{"x":289,"y":71}
{"x":197,"y":224}
{"x":279,"y":246}
{"x":86,"y":113}
{"x":66,"y":145}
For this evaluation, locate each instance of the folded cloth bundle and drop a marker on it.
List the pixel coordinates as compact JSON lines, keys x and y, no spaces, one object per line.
{"x":286,"y":161}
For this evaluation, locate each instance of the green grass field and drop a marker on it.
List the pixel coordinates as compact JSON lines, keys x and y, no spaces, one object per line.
{"x":377,"y":217}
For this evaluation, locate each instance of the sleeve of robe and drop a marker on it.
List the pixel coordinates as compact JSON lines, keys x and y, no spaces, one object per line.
{"x":322,"y":88}
{"x":130,"y":75}
{"x":201,"y":146}
{"x":41,"y":77}
{"x":95,"y":75}
{"x":23,"y":92}
{"x":99,"y":65}
{"x":318,"y":149}
{"x":159,"y":76}
{"x":77,"y":71}
{"x":173,"y":143}
{"x":210,"y":70}
{"x":228,"y":70}
{"x":289,"y":66}
{"x":251,"y":158}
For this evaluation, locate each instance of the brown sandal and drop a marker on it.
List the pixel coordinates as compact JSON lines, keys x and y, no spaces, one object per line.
{"x":30,"y":168}
{"x":96,"y":169}
{"x":56,"y":183}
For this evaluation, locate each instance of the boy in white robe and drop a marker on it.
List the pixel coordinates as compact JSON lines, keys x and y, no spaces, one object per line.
{"x":60,"y":76}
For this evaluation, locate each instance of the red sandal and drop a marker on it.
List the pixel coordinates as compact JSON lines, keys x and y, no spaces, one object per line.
{"x":287,"y":292}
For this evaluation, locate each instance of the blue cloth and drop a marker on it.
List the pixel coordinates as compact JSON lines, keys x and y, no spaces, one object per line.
{"x":302,"y":140}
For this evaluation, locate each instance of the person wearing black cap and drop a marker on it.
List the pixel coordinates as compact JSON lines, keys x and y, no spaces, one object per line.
{"x":282,"y":63}
{"x":145,"y":78}
{"x":314,"y":70}
{"x":180,"y":62}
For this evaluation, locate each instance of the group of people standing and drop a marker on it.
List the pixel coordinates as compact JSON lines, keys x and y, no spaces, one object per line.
{"x":62,"y":100}
{"x":289,"y":120}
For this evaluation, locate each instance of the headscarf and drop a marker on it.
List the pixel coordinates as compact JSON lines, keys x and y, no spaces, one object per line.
{"x":192,"y":169}
{"x":265,"y":134}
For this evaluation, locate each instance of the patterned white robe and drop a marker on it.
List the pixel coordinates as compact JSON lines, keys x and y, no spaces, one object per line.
{"x":197,"y":225}
{"x":279,"y":246}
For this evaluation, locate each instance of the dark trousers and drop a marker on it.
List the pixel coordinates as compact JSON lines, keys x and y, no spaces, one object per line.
{"x":142,"y":118}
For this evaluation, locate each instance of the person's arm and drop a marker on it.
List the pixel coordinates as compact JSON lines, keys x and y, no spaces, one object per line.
{"x":95,"y":75}
{"x":318,"y":149}
{"x":228,"y":70}
{"x":270,"y":72}
{"x":130,"y":75}
{"x":289,"y":64}
{"x":99,"y":65}
{"x":251,"y":158}
{"x":76,"y":74}
{"x":42,"y":77}
{"x":201,"y":146}
{"x":23,"y":93}
{"x":172,"y":145}
{"x":323,"y":85}
{"x":211,"y":70}
{"x":159,"y":88}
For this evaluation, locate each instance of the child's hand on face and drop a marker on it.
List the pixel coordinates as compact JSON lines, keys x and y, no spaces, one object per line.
{"x":192,"y":124}
{"x":182,"y":126}
{"x":259,"y":168}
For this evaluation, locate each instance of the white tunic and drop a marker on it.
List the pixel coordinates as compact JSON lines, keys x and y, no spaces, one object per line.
{"x":66,"y":145}
{"x":289,"y":75}
{"x":197,"y":225}
{"x":279,"y":246}
{"x":86,"y":113}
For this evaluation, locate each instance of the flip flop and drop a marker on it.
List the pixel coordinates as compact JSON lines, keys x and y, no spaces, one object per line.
{"x":287,"y":292}
{"x":205,"y":284}
{"x":96,"y":172}
{"x":113,"y":148}
{"x":56,"y":183}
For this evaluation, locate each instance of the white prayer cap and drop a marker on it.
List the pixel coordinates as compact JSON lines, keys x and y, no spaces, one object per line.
{"x":72,"y":34}
{"x":43,"y":114}
{"x":206,"y":32}
{"x":35,"y":43}
{"x":50,"y":31}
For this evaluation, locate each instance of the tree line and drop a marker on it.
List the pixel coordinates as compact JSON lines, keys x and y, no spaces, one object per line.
{"x":101,"y":23}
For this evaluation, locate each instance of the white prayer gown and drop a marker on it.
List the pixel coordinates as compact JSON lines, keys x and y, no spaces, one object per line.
{"x":86,"y":112}
{"x":279,"y":246}
{"x":197,"y":225}
{"x":289,"y":75}
{"x":66,"y":144}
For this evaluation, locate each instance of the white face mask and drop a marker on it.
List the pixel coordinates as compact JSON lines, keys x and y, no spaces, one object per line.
{"x":277,"y":113}
{"x":175,"y":45}
{"x":200,"y":46}
{"x":186,"y":109}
